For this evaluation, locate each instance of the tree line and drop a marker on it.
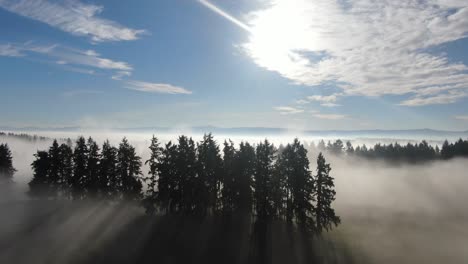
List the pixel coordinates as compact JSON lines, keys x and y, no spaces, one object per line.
{"x":193,"y":178}
{"x":23,"y":136}
{"x":417,"y":152}
{"x":6,"y":163}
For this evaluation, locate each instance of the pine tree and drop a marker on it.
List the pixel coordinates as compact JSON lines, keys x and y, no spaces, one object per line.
{"x":190,"y":189}
{"x":129,"y":168}
{"x":55,"y":167}
{"x":167,"y":181}
{"x":92,"y":168}
{"x":325,"y":195}
{"x":66,"y":169}
{"x":6,"y":162}
{"x":39,"y":185}
{"x":229,"y":182}
{"x":245,"y":166}
{"x":109,"y":179}
{"x":298,"y":192}
{"x":210,"y":170}
{"x":265,"y":157}
{"x":80,"y":160}
{"x":154,"y":163}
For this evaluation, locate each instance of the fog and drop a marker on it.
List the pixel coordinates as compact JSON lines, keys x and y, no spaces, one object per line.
{"x":390,"y":213}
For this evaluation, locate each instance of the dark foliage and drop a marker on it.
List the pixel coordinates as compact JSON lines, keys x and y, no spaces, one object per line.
{"x":6,"y":162}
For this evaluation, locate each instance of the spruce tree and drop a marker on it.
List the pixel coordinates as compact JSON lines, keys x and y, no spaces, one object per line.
{"x":109,"y":178}
{"x":55,"y":168}
{"x":66,"y":169}
{"x":39,"y":185}
{"x":167,"y":181}
{"x":92,"y":168}
{"x":129,"y":168}
{"x":80,"y":165}
{"x":325,"y":195}
{"x":245,"y":167}
{"x":190,"y":189}
{"x":210,"y":170}
{"x":265,"y":157}
{"x":6,"y":163}
{"x":229,"y":182}
{"x":154,"y":163}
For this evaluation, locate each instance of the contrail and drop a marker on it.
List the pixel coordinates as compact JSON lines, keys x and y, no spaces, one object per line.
{"x":222,"y":13}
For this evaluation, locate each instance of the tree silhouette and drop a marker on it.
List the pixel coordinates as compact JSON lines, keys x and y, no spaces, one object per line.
{"x":66,"y":169}
{"x":93,"y":172}
{"x":39,"y":186}
{"x":109,"y":178}
{"x":264,"y":169}
{"x":210,"y":169}
{"x":129,"y":169}
{"x":6,"y":163}
{"x":55,"y":167}
{"x":167,"y":181}
{"x":245,"y":170}
{"x":294,"y":165}
{"x":80,"y":169}
{"x":230,"y":185}
{"x":325,"y":195}
{"x":154,"y":163}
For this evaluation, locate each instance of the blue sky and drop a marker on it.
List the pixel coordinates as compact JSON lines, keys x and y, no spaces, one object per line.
{"x":296,"y":64}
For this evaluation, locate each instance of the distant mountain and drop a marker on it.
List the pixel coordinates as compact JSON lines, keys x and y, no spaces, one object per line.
{"x":267,"y":131}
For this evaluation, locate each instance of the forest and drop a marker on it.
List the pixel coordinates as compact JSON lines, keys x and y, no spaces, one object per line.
{"x":191,"y":179}
{"x":259,"y":194}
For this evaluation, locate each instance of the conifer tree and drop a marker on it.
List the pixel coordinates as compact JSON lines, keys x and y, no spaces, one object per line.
{"x":229,"y":182}
{"x":129,"y":168}
{"x":245,"y":166}
{"x":55,"y":168}
{"x":154,"y":163}
{"x":167,"y":181}
{"x":109,"y":178}
{"x":325,"y":195}
{"x":39,"y":185}
{"x":6,"y":162}
{"x":66,"y":169}
{"x":265,"y":157}
{"x":210,"y":169}
{"x":190,"y":189}
{"x":93,"y":173}
{"x":80,"y":165}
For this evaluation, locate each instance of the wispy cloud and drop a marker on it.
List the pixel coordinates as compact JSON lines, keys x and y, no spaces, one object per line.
{"x":156,"y":87}
{"x":73,"y":93}
{"x":368,"y":48}
{"x":66,"y":56}
{"x":288,"y":110}
{"x":445,"y":98}
{"x":325,"y":100}
{"x":74,"y":17}
{"x":329,"y":116}
{"x":120,"y":75}
{"x":9,"y":50}
{"x":461,"y":117}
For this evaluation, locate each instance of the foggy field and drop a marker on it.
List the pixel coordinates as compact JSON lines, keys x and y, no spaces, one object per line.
{"x":390,"y":214}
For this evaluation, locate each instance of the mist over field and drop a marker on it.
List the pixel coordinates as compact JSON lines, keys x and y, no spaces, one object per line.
{"x":391,"y":213}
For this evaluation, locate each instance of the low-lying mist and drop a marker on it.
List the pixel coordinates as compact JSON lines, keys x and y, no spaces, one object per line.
{"x":391,"y":213}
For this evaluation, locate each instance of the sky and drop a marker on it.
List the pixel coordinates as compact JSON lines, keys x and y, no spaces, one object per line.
{"x":295,"y":64}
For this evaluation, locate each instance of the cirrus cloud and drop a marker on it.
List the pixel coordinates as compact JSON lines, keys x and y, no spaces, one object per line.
{"x":156,"y":88}
{"x":74,"y":17}
{"x":367,"y":48}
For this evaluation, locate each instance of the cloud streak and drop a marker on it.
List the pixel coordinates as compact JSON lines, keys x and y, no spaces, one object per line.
{"x":156,"y":88}
{"x":288,"y":110}
{"x":73,"y":17}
